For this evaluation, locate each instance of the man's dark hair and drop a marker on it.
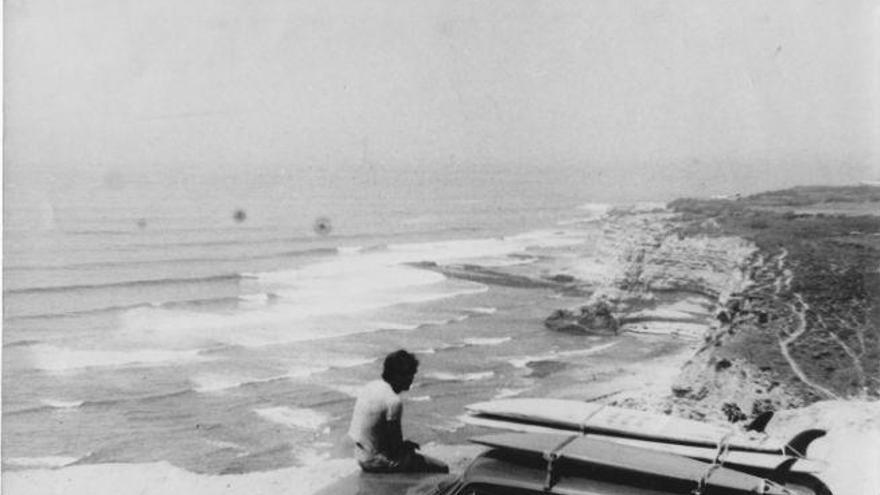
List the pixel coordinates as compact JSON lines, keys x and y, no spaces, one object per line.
{"x":399,"y":363}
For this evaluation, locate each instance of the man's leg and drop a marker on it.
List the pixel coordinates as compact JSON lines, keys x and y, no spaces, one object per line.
{"x":378,"y":463}
{"x":409,"y":462}
{"x":414,"y":462}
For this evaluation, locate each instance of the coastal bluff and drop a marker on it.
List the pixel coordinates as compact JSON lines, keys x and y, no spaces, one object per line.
{"x":777,"y":296}
{"x":794,"y":276}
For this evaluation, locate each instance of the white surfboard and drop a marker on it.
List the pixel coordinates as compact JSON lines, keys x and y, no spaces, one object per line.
{"x":760,"y":460}
{"x":588,"y":417}
{"x":681,"y":471}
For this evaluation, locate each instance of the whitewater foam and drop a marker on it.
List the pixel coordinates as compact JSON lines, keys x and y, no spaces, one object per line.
{"x":62,"y":404}
{"x":216,"y":382}
{"x":358,"y":283}
{"x":587,"y":352}
{"x":441,"y":347}
{"x":506,"y":393}
{"x":477,"y":341}
{"x":52,"y":358}
{"x":482,"y":310}
{"x":259,"y":299}
{"x":306,"y":372}
{"x":308,"y":419}
{"x":298,"y":318}
{"x":523,"y":361}
{"x":461,"y":377}
{"x":349,"y":250}
{"x":51,"y":462}
{"x":348,"y":362}
{"x":596,"y":209}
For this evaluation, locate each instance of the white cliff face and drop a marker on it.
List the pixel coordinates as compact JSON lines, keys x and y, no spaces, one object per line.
{"x":639,"y":254}
{"x":710,"y":265}
{"x":651,"y":256}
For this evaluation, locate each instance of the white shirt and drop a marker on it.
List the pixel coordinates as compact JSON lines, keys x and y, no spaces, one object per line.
{"x":376,"y":406}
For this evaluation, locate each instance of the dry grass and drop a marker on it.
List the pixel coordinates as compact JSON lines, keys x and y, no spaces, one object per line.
{"x":816,"y":294}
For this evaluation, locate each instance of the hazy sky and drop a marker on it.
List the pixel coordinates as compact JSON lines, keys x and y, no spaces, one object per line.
{"x":780,"y":92}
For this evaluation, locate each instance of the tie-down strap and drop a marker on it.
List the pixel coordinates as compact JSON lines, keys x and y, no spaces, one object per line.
{"x":551,"y":456}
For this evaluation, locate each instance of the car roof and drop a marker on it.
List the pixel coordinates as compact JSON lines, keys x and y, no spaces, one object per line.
{"x":497,"y":467}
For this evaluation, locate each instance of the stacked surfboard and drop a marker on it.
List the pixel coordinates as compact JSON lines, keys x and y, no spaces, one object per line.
{"x":642,"y":435}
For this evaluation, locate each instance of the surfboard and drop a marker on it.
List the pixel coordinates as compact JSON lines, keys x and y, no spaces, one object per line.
{"x":760,"y":460}
{"x":616,"y":421}
{"x":631,"y":460}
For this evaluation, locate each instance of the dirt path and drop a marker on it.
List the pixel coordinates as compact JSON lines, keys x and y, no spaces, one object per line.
{"x":799,"y":310}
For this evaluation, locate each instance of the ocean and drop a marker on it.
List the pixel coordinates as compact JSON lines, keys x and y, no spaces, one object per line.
{"x":223,"y":324}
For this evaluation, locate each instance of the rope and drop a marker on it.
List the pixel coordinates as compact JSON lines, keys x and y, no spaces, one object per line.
{"x":721,"y":451}
{"x":584,"y":429}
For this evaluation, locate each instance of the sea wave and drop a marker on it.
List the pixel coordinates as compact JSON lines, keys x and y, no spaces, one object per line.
{"x":597,"y":209}
{"x":21,"y":343}
{"x":523,"y":361}
{"x":460,"y":377}
{"x":442,"y":347}
{"x":182,"y":304}
{"x":214,"y":382}
{"x":97,"y":265}
{"x":497,"y":248}
{"x":478,"y":341}
{"x":483,"y":310}
{"x":105,"y":402}
{"x":316,"y":312}
{"x":249,"y":241}
{"x":217,"y":382}
{"x":126,"y":284}
{"x":303,"y":418}
{"x":52,"y":358}
{"x":506,"y":393}
{"x":63,"y":404}
{"x":51,"y":462}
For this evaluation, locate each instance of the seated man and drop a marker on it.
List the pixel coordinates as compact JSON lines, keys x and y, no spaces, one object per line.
{"x":375,"y":424}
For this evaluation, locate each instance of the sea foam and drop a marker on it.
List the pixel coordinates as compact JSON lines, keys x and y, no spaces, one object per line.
{"x":482,"y":310}
{"x":478,"y":341}
{"x":52,"y":358}
{"x":294,"y":418}
{"x":523,"y":361}
{"x":62,"y":404}
{"x":461,"y":377}
{"x":217,"y":382}
{"x":40,"y":462}
{"x":597,"y":209}
{"x":353,"y":286}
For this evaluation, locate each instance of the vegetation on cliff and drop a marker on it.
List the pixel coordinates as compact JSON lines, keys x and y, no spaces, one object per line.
{"x":811,"y":319}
